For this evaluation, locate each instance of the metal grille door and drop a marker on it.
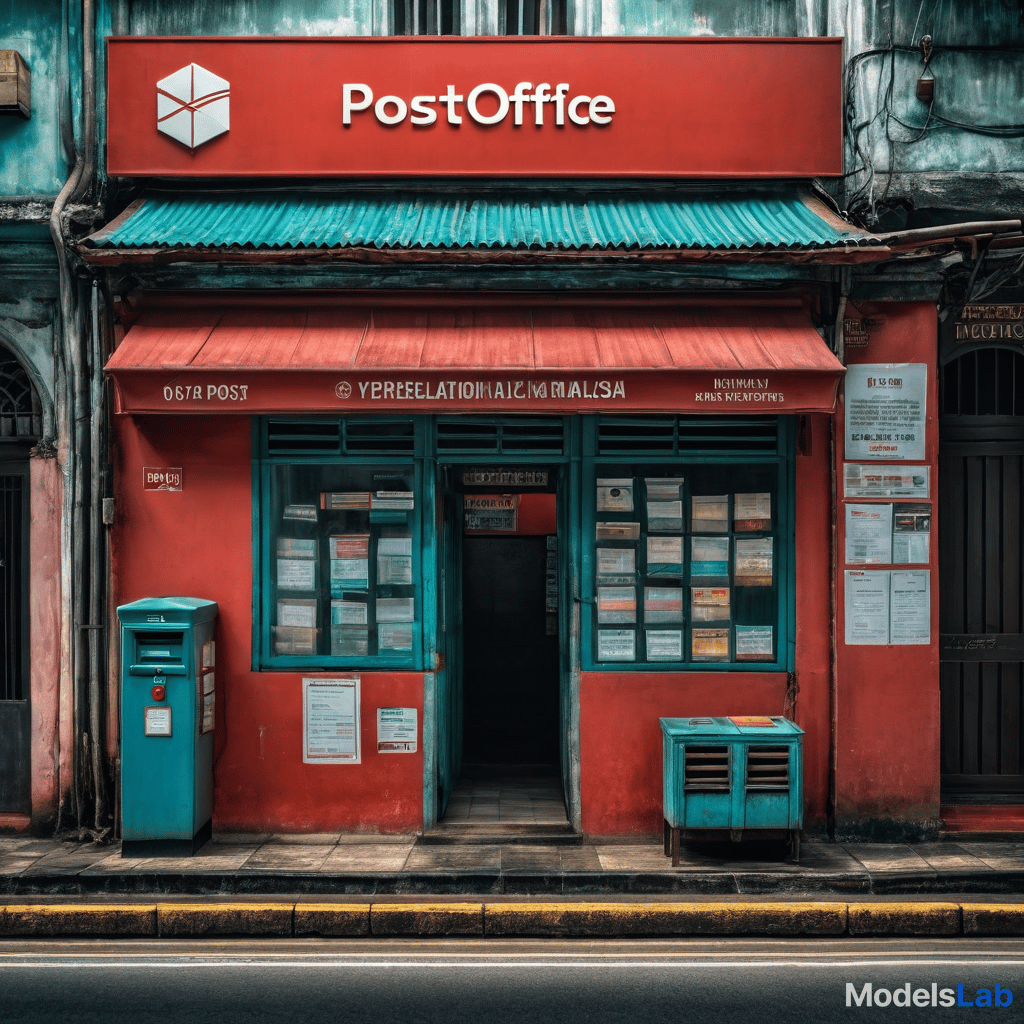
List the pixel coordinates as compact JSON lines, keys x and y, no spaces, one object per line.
{"x":981,"y":468}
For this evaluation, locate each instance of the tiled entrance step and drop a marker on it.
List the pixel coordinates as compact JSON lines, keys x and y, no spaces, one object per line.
{"x":499,"y":804}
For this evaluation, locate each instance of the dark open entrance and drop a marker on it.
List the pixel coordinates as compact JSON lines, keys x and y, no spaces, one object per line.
{"x":510,"y":663}
{"x":500,"y":703}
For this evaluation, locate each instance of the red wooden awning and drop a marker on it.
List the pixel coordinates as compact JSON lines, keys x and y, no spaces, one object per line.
{"x":507,"y":359}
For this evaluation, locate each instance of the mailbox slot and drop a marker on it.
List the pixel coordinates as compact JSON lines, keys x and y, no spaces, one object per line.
{"x":159,"y":652}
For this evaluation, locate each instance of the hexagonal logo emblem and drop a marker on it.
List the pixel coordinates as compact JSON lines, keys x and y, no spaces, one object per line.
{"x":192,"y":105}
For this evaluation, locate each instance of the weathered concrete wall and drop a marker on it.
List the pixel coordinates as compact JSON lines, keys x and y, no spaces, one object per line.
{"x":32,"y":159}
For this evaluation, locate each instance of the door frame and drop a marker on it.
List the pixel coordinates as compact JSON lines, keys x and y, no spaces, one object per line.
{"x":444,"y":681}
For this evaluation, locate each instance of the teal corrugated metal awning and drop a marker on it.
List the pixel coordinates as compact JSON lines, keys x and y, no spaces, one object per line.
{"x":725,"y":219}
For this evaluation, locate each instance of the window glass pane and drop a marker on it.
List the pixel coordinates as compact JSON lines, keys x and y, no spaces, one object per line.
{"x":685,"y":563}
{"x":344,"y":558}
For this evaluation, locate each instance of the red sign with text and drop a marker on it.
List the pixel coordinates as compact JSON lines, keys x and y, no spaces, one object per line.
{"x":544,"y":106}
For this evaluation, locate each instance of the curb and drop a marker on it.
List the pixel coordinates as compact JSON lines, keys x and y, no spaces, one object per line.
{"x":521,"y":920}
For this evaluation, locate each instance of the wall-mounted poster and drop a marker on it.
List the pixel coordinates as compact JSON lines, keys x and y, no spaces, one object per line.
{"x":330,"y":721}
{"x":396,"y":730}
{"x":886,"y":405}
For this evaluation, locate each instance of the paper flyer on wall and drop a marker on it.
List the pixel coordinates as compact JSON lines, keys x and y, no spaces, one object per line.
{"x":294,"y":640}
{"x":350,"y":641}
{"x":874,"y":481}
{"x":616,"y":564}
{"x":295,"y":547}
{"x":754,"y":563}
{"x":909,"y":607}
{"x":867,"y":606}
{"x":664,"y":556}
{"x":330,"y":721}
{"x":395,"y":609}
{"x":300,"y":513}
{"x":397,"y":730}
{"x":348,"y":613}
{"x":616,"y":604}
{"x":667,"y":488}
{"x":616,"y":645}
{"x":886,"y":404}
{"x":755,"y":643}
{"x":664,"y":516}
{"x":709,"y":644}
{"x":618,"y":531}
{"x":394,"y":636}
{"x":709,"y":604}
{"x":349,"y":574}
{"x":709,"y":558}
{"x":911,"y":530}
{"x":709,"y":513}
{"x":663,"y":604}
{"x":752,"y":512}
{"x":615,"y":494}
{"x":337,"y":501}
{"x":296,"y":574}
{"x":868,"y":534}
{"x":664,"y":644}
{"x":297,"y":612}
{"x":348,"y":545}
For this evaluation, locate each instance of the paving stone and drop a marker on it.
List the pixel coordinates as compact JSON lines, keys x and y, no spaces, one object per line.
{"x":366,"y":858}
{"x":445,"y":858}
{"x":531,"y":858}
{"x":879,"y":857}
{"x":287,"y":857}
{"x":950,"y":857}
{"x":1000,"y":856}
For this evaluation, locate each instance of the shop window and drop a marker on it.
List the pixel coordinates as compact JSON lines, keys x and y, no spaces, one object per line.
{"x":534,"y":17}
{"x":340,"y":536}
{"x":687,"y":556}
{"x":425,"y":17}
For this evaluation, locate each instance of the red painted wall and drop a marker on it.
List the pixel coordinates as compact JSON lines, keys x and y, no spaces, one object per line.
{"x":620,"y":738}
{"x":198,"y":543}
{"x":887,"y":698}
{"x":52,"y":741}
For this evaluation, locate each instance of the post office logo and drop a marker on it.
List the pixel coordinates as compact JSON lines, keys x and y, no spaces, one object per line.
{"x":193,"y":105}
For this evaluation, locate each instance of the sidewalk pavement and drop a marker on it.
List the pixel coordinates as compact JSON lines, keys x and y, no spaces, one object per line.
{"x":502,"y":863}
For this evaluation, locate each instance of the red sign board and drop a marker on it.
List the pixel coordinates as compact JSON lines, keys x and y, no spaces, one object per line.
{"x":161,"y":478}
{"x":545,"y":106}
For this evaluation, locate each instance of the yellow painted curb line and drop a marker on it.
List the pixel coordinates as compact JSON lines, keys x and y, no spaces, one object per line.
{"x":137,"y":920}
{"x":993,"y":918}
{"x":905,"y":919}
{"x":188,"y":920}
{"x":607,"y":919}
{"x":427,"y":919}
{"x":332,"y":919}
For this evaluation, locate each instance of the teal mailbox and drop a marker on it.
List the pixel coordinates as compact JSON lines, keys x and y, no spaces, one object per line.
{"x":731,"y":778}
{"x":168,"y":700}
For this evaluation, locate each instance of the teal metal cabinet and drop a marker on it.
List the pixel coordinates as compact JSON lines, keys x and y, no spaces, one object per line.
{"x":731,"y":778}
{"x":168,"y":694}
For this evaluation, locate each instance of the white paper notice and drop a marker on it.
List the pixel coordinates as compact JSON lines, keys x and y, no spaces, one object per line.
{"x":910,"y":607}
{"x":396,"y":730}
{"x":885,"y":410}
{"x":868,"y":534}
{"x":330,"y":721}
{"x":867,"y":606}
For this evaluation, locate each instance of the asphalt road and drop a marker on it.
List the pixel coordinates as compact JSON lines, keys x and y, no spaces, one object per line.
{"x":422,"y":982}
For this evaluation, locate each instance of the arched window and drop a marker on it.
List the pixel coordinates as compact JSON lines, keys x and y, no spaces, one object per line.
{"x":20,"y":413}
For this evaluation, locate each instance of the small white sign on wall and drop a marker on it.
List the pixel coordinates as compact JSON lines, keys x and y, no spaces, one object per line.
{"x":396,"y":730}
{"x":330,"y":721}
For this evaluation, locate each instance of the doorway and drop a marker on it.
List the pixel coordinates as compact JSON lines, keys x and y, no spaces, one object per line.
{"x":981,"y":567}
{"x":503,"y":682}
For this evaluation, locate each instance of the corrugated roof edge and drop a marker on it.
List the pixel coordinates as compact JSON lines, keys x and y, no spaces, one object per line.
{"x":155,"y":222}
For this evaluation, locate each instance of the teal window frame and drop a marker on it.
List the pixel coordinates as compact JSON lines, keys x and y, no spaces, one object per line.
{"x":265,"y":531}
{"x":593,"y":465}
